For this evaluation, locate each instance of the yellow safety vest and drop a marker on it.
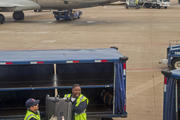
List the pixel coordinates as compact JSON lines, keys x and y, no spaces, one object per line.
{"x":30,"y":115}
{"x":136,"y":2}
{"x":80,"y":99}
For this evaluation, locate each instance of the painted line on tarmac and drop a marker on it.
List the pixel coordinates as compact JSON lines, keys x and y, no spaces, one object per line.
{"x":12,"y":32}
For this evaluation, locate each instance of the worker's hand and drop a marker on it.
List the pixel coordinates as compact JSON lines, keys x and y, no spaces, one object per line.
{"x":53,"y":117}
{"x":67,"y":100}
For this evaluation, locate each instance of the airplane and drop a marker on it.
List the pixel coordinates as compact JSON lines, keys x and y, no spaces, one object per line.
{"x":18,"y":6}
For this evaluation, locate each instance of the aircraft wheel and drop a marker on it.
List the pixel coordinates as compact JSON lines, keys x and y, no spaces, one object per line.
{"x":18,"y":15}
{"x":2,"y":19}
{"x":153,"y":6}
{"x":147,"y":5}
{"x":158,"y":6}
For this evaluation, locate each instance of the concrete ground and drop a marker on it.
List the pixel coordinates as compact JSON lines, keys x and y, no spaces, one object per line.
{"x":140,"y":34}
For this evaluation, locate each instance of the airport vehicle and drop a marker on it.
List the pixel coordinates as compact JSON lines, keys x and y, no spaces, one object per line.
{"x":132,"y":3}
{"x":156,"y":3}
{"x":18,"y":6}
{"x":36,"y":73}
{"x":171,"y":107}
{"x":173,"y":54}
{"x":67,"y":15}
{"x":147,"y":3}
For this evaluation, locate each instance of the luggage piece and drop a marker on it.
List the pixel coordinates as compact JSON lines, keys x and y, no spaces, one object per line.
{"x":58,"y":107}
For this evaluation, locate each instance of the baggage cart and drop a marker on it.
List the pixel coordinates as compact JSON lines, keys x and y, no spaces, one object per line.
{"x":36,"y":73}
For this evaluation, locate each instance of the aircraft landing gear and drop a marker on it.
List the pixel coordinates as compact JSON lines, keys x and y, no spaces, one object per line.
{"x":2,"y":19}
{"x":18,"y":15}
{"x":67,"y":15}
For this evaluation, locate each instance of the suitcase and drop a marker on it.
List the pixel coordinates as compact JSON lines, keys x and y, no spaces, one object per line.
{"x":59,"y":108}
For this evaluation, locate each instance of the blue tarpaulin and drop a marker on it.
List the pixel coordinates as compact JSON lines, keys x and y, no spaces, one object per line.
{"x":60,"y":56}
{"x":169,"y":112}
{"x":169,"y":107}
{"x":120,"y":89}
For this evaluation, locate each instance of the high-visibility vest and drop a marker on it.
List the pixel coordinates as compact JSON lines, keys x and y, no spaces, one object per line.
{"x":136,"y":2}
{"x":80,"y":99}
{"x":30,"y":115}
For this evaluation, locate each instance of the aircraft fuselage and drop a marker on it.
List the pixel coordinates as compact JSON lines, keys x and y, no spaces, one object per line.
{"x":70,"y":4}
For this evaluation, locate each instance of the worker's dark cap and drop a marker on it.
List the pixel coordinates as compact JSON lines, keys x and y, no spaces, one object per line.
{"x":31,"y":102}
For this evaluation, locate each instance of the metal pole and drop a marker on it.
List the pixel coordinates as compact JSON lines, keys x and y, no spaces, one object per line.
{"x":55,"y":81}
{"x":114,"y":93}
{"x":176,"y":92}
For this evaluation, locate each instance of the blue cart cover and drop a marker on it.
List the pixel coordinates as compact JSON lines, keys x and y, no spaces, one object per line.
{"x":169,"y":107}
{"x":120,"y":88}
{"x":59,"y":56}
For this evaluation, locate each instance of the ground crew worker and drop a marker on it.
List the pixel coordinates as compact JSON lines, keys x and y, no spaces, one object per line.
{"x":32,"y":110}
{"x":79,"y":103}
{"x":137,"y":3}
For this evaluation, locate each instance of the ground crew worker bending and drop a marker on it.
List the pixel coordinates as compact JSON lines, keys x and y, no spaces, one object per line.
{"x":79,"y":103}
{"x":32,"y":110}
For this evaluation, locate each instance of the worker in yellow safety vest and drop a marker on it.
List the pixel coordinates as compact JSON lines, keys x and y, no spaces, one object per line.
{"x":79,"y":103}
{"x":32,"y":109}
{"x":137,"y":2}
